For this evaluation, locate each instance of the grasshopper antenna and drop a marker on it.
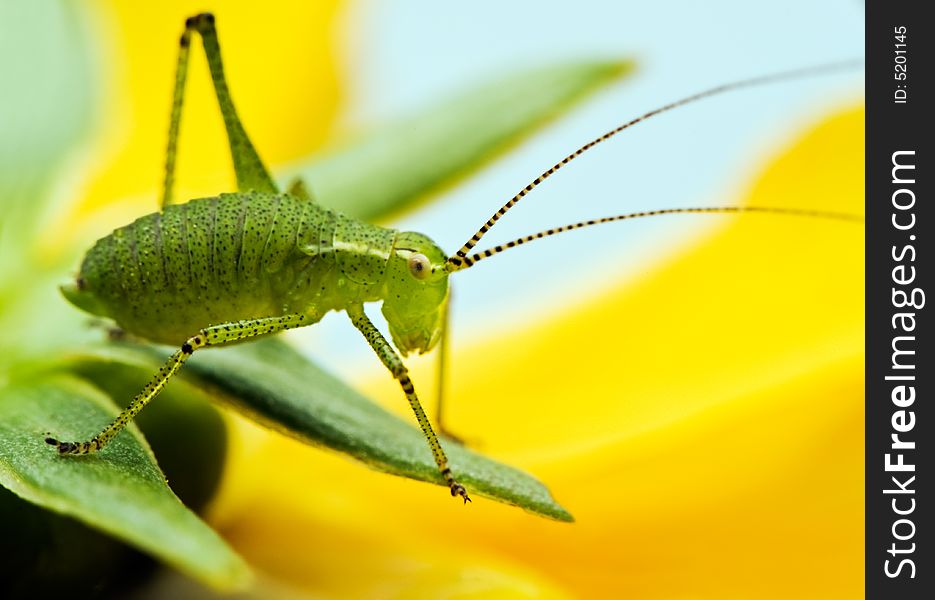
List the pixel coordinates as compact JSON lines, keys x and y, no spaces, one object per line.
{"x":470,"y":261}
{"x":458,"y":261}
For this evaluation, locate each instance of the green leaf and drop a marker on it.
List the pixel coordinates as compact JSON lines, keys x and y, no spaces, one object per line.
{"x":45,"y":107}
{"x":275,"y":385}
{"x":120,"y":491}
{"x":184,"y":428}
{"x":400,"y":164}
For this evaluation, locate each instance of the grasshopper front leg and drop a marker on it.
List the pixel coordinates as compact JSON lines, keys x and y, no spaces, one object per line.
{"x":394,"y":363}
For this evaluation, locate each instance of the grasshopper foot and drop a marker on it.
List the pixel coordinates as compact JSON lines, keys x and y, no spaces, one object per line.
{"x":62,"y":447}
{"x":458,"y":490}
{"x":69,"y":447}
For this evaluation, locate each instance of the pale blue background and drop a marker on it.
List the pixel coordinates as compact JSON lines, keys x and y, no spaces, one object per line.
{"x":405,"y":54}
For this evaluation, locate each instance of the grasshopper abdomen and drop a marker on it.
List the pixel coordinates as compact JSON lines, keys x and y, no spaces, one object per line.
{"x":229,"y":258}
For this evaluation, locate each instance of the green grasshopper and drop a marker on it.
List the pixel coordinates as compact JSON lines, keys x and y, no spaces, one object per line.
{"x":221,"y":270}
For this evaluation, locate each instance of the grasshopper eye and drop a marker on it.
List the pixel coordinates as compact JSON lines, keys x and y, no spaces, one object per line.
{"x":419,"y":266}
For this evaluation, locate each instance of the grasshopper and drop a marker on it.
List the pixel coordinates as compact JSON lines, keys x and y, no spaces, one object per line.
{"x":221,"y":270}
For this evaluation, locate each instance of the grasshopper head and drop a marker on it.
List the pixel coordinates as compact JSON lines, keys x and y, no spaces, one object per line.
{"x":416,"y":291}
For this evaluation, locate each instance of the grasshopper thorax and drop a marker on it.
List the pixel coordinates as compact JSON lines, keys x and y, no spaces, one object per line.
{"x":416,"y":292}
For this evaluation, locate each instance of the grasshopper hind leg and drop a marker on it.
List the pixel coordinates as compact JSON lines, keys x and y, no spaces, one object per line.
{"x":249,"y":168}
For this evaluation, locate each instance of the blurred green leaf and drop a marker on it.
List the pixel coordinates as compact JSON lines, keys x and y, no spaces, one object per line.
{"x":400,"y":164}
{"x":45,"y":108}
{"x":275,"y":385}
{"x":120,"y":491}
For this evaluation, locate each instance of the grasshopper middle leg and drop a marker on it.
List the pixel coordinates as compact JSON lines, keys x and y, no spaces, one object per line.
{"x":215,"y":335}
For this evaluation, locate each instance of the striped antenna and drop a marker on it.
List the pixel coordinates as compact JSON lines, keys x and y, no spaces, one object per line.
{"x":469,"y":261}
{"x":455,"y":261}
